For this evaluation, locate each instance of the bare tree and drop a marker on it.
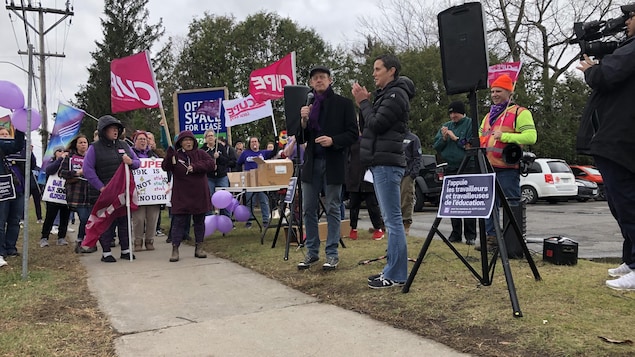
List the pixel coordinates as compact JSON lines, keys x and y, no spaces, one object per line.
{"x":539,"y":32}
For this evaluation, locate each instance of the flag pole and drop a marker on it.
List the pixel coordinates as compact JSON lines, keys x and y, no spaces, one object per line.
{"x":275,"y":131}
{"x":163,"y":119}
{"x":128,"y":214}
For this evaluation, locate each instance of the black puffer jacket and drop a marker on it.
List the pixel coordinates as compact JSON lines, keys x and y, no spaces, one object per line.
{"x":384,"y":124}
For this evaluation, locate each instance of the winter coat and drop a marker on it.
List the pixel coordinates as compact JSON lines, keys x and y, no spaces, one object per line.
{"x":79,"y":193}
{"x":384,"y":122}
{"x":337,"y":120}
{"x":355,"y":173}
{"x":609,"y":119}
{"x":190,"y":191}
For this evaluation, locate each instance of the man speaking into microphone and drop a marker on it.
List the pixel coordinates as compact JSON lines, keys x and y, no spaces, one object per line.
{"x":329,"y":127}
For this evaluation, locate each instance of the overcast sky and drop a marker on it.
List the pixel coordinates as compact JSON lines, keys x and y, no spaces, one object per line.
{"x":335,"y":20}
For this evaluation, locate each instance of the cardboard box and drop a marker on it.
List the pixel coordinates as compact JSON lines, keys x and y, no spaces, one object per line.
{"x":238,"y":179}
{"x":322,"y":229}
{"x":271,"y":172}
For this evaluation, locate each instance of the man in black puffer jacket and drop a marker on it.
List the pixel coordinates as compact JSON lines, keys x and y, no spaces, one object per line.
{"x":384,"y":128}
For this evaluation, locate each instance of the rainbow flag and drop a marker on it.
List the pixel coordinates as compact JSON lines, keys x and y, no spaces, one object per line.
{"x":65,"y":129}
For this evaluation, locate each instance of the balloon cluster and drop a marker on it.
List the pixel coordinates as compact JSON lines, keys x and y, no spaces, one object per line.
{"x":11,"y":97}
{"x":222,"y":223}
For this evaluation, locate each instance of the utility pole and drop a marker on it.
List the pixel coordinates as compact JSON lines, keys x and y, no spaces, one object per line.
{"x":20,"y":11}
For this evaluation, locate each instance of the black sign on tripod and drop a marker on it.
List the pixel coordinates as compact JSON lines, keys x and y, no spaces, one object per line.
{"x":460,"y":28}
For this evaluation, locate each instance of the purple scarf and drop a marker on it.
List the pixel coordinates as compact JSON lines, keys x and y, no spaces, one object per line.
{"x":314,"y":116}
{"x":495,"y":110}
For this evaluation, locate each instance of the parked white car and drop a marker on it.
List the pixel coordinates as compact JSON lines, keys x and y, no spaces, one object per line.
{"x":548,"y":179}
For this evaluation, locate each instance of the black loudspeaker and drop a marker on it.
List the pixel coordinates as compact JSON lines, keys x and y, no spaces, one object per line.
{"x":295,"y":97}
{"x":519,"y":210}
{"x":463,"y":48}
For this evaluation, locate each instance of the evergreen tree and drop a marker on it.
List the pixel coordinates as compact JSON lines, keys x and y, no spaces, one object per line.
{"x":126,"y":32}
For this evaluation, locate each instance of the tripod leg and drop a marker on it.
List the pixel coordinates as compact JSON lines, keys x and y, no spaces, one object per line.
{"x":422,"y":254}
{"x":502,"y":250}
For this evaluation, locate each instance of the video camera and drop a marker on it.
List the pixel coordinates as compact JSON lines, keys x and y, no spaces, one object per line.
{"x":589,"y":35}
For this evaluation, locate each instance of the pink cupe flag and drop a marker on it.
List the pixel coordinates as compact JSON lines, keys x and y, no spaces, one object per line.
{"x":269,"y":82}
{"x":132,"y":84}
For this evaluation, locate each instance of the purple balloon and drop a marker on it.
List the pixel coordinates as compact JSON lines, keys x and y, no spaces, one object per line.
{"x":242,"y":213}
{"x":222,"y":199}
{"x":232,"y":206}
{"x":211,"y":223}
{"x":19,"y":119}
{"x":11,"y":96}
{"x":224,"y":224}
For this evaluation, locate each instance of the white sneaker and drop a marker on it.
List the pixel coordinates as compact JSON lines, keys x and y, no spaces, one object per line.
{"x":2,"y":261}
{"x":62,"y":241}
{"x":69,"y":229}
{"x":44,"y":243}
{"x":55,"y":230}
{"x":626,"y":282}
{"x":620,"y":271}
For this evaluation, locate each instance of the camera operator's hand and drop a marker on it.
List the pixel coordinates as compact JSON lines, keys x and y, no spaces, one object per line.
{"x":586,"y":63}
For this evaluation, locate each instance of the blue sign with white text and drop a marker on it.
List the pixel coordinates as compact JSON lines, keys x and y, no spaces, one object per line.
{"x":200,"y":110}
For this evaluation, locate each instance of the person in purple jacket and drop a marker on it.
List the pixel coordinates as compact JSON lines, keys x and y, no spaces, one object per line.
{"x":144,"y":219}
{"x":190,"y":191}
{"x":100,"y":164}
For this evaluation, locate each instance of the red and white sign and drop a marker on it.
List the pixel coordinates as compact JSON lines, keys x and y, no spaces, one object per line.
{"x":268,"y":83}
{"x":245,"y":110}
{"x":132,"y":84}
{"x":512,"y":69}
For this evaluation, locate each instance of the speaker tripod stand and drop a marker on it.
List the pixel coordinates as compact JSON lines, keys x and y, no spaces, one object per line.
{"x":487,"y":264}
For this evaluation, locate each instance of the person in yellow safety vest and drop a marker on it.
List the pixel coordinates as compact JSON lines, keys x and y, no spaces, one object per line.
{"x":505,"y":124}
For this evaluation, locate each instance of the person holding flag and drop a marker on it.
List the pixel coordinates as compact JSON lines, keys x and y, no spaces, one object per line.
{"x":101,"y":162}
{"x":504,"y":125}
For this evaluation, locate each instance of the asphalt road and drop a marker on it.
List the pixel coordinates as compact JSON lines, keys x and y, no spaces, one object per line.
{"x":588,"y":223}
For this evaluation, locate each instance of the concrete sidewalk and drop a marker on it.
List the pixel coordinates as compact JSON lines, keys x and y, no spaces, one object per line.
{"x":213,"y":307}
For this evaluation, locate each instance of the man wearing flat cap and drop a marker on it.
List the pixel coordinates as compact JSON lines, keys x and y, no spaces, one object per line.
{"x":329,"y":128}
{"x":607,"y":132}
{"x":505,"y":124}
{"x":450,"y":142}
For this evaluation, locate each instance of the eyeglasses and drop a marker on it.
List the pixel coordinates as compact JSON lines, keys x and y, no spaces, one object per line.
{"x":209,"y":136}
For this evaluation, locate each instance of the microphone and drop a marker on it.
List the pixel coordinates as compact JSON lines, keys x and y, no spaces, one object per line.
{"x":309,"y":98}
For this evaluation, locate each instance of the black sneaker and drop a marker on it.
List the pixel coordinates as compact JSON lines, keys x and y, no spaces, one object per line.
{"x":382,"y":283}
{"x":307,"y":262}
{"x":375,"y":277}
{"x":126,"y":256}
{"x":108,"y":259}
{"x":470,"y":241}
{"x":331,"y":263}
{"x":455,"y":239}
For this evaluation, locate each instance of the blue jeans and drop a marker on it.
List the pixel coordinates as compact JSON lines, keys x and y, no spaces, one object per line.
{"x":218,"y":182}
{"x":83,"y":212}
{"x":509,"y":180}
{"x":618,"y":187}
{"x":10,"y":213}
{"x":311,"y":204}
{"x":387,"y":183}
{"x":264,"y":204}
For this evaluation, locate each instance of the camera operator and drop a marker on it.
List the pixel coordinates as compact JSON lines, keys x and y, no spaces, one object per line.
{"x":608,"y":124}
